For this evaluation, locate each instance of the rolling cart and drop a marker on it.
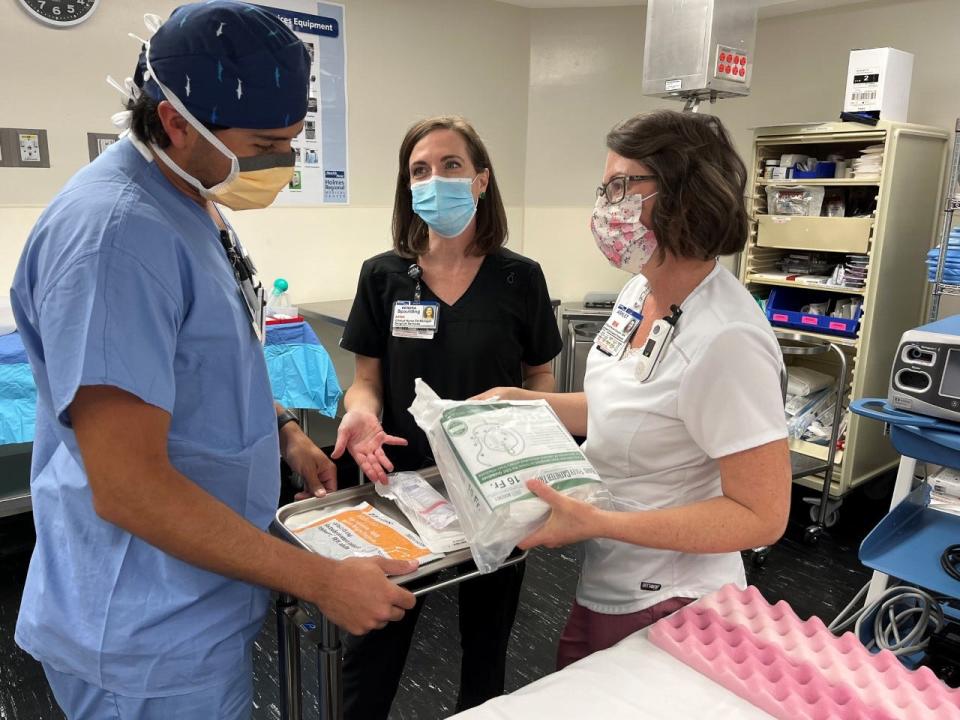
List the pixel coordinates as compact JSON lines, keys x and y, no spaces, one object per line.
{"x":296,"y":618}
{"x":802,"y":465}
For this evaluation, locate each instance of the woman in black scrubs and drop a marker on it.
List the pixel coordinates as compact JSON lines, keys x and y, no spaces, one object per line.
{"x":451,"y":305}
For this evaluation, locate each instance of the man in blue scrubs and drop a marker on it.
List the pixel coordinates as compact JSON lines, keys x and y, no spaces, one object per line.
{"x":157,"y":451}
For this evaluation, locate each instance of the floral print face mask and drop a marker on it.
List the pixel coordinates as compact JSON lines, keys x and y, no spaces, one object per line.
{"x":625,"y":241}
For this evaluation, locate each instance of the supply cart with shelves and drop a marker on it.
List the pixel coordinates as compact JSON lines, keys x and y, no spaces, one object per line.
{"x":892,"y":230}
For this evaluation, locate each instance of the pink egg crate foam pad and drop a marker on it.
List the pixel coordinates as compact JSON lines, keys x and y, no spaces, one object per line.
{"x":794,"y":669}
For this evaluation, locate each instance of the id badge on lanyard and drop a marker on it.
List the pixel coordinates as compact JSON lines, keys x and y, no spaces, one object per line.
{"x":252,"y":292}
{"x":415,"y":319}
{"x":256,"y":301}
{"x":619,"y":329}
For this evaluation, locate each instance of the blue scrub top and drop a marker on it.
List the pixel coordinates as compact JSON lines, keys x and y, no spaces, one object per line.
{"x":123,"y":282}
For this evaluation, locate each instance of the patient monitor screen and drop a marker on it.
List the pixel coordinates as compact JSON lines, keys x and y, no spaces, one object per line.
{"x":951,"y":375}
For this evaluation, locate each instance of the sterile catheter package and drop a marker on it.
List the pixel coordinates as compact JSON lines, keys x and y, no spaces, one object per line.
{"x":486,"y":452}
{"x":360,"y":531}
{"x":431,"y":514}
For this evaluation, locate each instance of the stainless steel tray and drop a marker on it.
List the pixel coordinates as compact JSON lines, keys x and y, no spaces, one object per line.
{"x":367,"y":493}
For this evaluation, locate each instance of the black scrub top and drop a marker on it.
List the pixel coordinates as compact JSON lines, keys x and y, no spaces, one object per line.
{"x":503,"y":319}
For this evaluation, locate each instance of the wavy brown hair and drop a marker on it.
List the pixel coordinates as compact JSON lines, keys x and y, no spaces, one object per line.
{"x":409,"y":231}
{"x":700,"y":211}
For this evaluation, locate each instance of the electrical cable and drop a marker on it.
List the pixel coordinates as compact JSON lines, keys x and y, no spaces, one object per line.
{"x":950,"y":561}
{"x":902,"y":619}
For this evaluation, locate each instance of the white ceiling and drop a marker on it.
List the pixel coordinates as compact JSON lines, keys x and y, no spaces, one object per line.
{"x":768,"y":8}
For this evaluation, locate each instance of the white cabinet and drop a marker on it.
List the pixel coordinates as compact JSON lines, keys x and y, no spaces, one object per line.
{"x":896,"y":239}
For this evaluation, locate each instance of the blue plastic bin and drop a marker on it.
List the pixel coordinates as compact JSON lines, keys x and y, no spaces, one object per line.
{"x":783,"y":310}
{"x":824,"y":170}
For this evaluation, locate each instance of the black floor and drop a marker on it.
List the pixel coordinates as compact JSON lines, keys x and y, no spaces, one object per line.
{"x":815,"y":581}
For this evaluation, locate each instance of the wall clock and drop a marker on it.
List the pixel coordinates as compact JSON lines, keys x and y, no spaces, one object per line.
{"x":60,"y":13}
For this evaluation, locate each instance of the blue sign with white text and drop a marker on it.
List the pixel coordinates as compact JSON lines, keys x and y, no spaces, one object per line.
{"x":308,"y":24}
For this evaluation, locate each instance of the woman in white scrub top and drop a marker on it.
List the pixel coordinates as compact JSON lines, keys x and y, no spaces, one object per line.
{"x":694,"y":451}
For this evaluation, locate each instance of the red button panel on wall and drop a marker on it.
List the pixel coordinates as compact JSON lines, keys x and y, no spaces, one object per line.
{"x":731,"y":64}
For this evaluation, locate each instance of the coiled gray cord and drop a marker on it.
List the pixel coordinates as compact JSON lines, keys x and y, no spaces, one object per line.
{"x":903,"y":619}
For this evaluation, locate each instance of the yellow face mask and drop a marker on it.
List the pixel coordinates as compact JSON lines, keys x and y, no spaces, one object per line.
{"x":256,"y":184}
{"x":252,"y":183}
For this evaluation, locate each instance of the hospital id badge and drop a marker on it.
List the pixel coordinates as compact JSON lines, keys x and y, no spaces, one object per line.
{"x":617,"y":332}
{"x":414,"y":319}
{"x":260,"y":321}
{"x":256,"y":300}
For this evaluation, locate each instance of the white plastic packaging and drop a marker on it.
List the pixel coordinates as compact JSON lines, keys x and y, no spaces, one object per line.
{"x":795,"y":199}
{"x":486,"y":452}
{"x":431,"y":514}
{"x":804,"y":381}
{"x":945,"y":491}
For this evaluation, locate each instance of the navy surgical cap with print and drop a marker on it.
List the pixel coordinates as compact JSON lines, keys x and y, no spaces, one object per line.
{"x":231,"y":64}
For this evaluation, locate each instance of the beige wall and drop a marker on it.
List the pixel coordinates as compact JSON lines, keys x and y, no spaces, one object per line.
{"x":585,"y":74}
{"x":405,"y":60}
{"x":542,"y":86}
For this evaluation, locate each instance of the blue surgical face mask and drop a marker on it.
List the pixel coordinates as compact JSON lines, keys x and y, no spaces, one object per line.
{"x":445,"y":204}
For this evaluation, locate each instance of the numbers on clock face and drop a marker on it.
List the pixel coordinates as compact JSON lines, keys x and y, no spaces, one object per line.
{"x":60,"y":12}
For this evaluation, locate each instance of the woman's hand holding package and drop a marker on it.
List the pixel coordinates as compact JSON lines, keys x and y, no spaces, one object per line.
{"x":361,"y":434}
{"x":570,"y":520}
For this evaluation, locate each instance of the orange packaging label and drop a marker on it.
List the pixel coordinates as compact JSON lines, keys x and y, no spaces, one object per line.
{"x":362,"y":530}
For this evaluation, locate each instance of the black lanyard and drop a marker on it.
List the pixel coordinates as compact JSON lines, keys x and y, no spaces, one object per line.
{"x":415,"y":272}
{"x":244,"y":271}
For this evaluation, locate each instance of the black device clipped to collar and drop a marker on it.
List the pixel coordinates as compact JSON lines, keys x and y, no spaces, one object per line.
{"x":241,"y":267}
{"x":415,"y":272}
{"x":674,"y":316}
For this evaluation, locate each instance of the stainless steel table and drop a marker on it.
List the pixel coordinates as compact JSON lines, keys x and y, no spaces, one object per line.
{"x":334,"y":312}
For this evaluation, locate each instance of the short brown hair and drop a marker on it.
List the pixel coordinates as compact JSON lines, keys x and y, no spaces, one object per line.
{"x":409,"y":231}
{"x":699,"y":211}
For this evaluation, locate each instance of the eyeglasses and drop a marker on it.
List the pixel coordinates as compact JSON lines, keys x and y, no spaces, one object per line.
{"x":616,"y":189}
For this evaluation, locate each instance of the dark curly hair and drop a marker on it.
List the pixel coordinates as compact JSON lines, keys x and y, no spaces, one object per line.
{"x":700,"y":211}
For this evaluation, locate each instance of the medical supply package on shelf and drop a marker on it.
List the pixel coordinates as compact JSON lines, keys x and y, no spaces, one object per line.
{"x":805,"y":263}
{"x":819,"y":201}
{"x":431,"y":514}
{"x":819,"y":428}
{"x":951,"y":266}
{"x":945,"y":491}
{"x":869,"y":164}
{"x":810,"y":405}
{"x":813,"y":310}
{"x":795,"y":200}
{"x":818,"y":268}
{"x":804,"y":381}
{"x":487,"y":451}
{"x":360,"y":531}
{"x":806,"y":409}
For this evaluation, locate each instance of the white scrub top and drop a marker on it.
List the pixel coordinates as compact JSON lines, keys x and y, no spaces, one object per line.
{"x":123,"y":282}
{"x":656,"y":444}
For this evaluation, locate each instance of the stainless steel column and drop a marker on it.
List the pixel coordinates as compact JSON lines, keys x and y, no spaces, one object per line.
{"x":330,"y":671}
{"x":288,"y":657}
